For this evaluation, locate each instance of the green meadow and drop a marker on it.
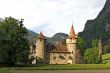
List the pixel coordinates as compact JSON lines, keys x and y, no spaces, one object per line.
{"x":4,"y":70}
{"x":55,"y":67}
{"x":62,"y":67}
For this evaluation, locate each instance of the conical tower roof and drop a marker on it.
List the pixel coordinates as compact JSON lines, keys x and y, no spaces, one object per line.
{"x":72,"y":33}
{"x":41,"y":36}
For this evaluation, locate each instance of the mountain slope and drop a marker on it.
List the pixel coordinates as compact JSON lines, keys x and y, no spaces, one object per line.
{"x":99,"y":26}
{"x":57,"y":38}
{"x":32,"y":36}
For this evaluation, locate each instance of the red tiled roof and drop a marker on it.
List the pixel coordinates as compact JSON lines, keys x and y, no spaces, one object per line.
{"x":72,"y":33}
{"x":41,"y":36}
{"x":59,"y":48}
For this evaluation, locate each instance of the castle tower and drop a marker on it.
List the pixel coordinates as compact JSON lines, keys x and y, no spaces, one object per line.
{"x":40,"y":48}
{"x":71,"y":44}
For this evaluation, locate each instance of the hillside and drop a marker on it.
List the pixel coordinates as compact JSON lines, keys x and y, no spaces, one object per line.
{"x":31,"y":36}
{"x":99,"y":27}
{"x":57,"y":38}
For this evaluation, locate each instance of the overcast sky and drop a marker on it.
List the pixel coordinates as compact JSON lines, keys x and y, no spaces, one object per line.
{"x":52,"y":16}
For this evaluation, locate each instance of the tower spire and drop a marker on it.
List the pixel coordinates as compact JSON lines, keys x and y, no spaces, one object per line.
{"x":72,"y":32}
{"x":41,"y":36}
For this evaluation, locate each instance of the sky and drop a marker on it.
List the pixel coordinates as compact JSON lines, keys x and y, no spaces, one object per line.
{"x":52,"y":16}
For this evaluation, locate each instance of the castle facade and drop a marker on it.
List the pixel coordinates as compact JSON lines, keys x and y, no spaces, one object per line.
{"x":45,"y":53}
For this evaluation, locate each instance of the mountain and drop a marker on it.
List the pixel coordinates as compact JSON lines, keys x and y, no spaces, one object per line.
{"x":99,"y":27}
{"x":57,"y":38}
{"x":32,"y":36}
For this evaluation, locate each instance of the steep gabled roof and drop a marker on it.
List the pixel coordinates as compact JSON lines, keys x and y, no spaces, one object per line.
{"x":41,"y":36}
{"x":59,"y":49}
{"x":72,"y":33}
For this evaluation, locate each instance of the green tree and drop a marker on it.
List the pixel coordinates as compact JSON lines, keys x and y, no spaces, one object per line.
{"x":91,"y":56}
{"x":107,"y":47}
{"x":81,"y":45}
{"x":95,"y":43}
{"x":100,"y":49}
{"x":13,"y":44}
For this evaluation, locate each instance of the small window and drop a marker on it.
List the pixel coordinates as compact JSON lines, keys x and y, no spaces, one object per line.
{"x":65,"y":54}
{"x":54,"y":57}
{"x":40,"y":39}
{"x":68,"y":63}
{"x":72,"y":52}
{"x":61,"y":57}
{"x":65,"y":49}
{"x":70,"y":58}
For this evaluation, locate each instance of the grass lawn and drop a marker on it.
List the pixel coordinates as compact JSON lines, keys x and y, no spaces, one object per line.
{"x":59,"y":71}
{"x":63,"y":67}
{"x":2,"y":70}
{"x":75,"y":68}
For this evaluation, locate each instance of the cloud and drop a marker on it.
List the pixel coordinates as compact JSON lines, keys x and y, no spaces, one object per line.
{"x":52,"y":16}
{"x":45,"y":28}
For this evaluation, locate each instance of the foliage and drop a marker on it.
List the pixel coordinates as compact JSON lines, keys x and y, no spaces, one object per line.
{"x":106,"y":58}
{"x":91,"y":56}
{"x":81,"y":45}
{"x":94,"y":42}
{"x":107,"y":47}
{"x":13,"y":44}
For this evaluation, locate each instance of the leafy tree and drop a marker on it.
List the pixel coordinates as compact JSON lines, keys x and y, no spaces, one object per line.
{"x":81,"y":45}
{"x":100,"y":49}
{"x":107,"y":47}
{"x":13,"y":44}
{"x":91,"y":56}
{"x":95,"y":43}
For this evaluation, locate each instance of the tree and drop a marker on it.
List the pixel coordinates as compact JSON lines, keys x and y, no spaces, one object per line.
{"x":95,"y":43}
{"x":107,"y":47}
{"x":13,"y":44}
{"x":81,"y":45}
{"x":91,"y":56}
{"x":100,"y":49}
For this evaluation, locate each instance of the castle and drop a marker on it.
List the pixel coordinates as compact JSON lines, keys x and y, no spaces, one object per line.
{"x":45,"y":53}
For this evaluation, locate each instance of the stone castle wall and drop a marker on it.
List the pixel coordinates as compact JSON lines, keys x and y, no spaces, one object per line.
{"x":40,"y":50}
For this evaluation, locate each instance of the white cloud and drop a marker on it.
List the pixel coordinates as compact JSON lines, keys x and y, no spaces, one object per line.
{"x":51,"y":16}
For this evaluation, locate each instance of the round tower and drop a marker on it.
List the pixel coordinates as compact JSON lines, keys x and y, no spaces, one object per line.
{"x":71,"y":44}
{"x":40,"y":48}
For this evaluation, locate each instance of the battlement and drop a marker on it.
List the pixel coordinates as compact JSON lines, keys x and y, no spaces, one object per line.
{"x":71,"y":41}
